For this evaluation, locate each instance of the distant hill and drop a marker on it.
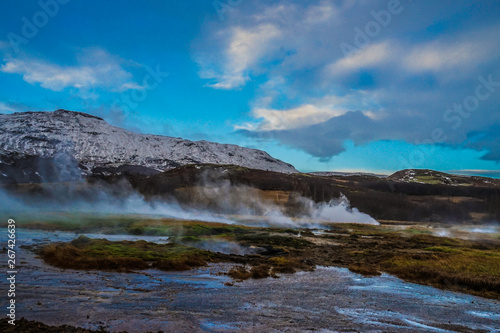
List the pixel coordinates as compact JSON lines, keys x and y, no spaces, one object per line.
{"x":425,"y":176}
{"x":339,"y":173}
{"x":381,"y":198}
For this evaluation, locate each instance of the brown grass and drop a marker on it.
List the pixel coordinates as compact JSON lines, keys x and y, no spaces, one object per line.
{"x":240,"y":273}
{"x":182,"y":264}
{"x":458,"y":269}
{"x":287,"y":265}
{"x":364,"y":270}
{"x":68,"y":256}
{"x":274,"y":265}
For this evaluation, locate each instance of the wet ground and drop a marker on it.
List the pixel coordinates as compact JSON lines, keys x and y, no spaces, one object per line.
{"x":34,"y":237}
{"x":329,"y":299}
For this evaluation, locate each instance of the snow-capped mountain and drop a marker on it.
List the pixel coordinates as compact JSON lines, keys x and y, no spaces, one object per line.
{"x":96,"y":146}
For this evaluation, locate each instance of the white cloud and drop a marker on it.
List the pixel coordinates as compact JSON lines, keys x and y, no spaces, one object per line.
{"x":318,"y":14}
{"x":50,"y":76}
{"x":437,"y":56}
{"x":131,"y":86}
{"x":244,"y":49}
{"x":7,"y":108}
{"x":303,"y":115}
{"x":314,"y":112}
{"x":369,"y":56}
{"x":95,"y":69}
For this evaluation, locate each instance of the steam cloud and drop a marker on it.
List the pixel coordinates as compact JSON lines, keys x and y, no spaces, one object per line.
{"x":213,"y":200}
{"x":119,"y":199}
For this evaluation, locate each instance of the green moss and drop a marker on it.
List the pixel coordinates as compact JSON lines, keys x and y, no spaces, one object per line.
{"x":428,"y":180}
{"x":418,"y":231}
{"x":484,"y":253}
{"x":187,"y":239}
{"x":468,"y":269}
{"x":282,"y":231}
{"x":138,"y":249}
{"x":87,"y":253}
{"x":442,"y":249}
{"x":264,"y":239}
{"x":148,"y":231}
{"x":205,"y":229}
{"x":461,"y":263}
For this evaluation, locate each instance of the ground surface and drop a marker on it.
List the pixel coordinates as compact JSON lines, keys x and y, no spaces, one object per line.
{"x":465,"y":261}
{"x":198,"y":300}
{"x":207,"y":299}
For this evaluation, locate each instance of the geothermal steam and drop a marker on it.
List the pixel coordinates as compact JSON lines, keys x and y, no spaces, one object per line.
{"x":219,"y":202}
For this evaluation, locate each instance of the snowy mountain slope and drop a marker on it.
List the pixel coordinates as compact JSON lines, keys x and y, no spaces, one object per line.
{"x":96,"y":145}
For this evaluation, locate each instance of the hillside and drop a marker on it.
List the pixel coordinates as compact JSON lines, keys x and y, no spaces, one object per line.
{"x":381,"y":198}
{"x":73,"y":140}
{"x":425,"y":176}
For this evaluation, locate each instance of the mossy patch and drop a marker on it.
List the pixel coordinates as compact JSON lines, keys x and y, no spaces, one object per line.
{"x":266,"y":239}
{"x":428,"y":180}
{"x":86,"y":253}
{"x":418,"y":231}
{"x":442,"y":249}
{"x":459,"y":269}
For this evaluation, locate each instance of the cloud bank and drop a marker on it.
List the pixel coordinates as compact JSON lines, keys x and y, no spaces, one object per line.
{"x":412,"y":73}
{"x":94,"y":68}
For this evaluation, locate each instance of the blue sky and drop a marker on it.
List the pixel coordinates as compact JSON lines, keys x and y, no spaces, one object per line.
{"x":353,"y":85}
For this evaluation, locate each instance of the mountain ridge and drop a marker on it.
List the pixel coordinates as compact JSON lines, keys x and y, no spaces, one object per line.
{"x":91,"y":144}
